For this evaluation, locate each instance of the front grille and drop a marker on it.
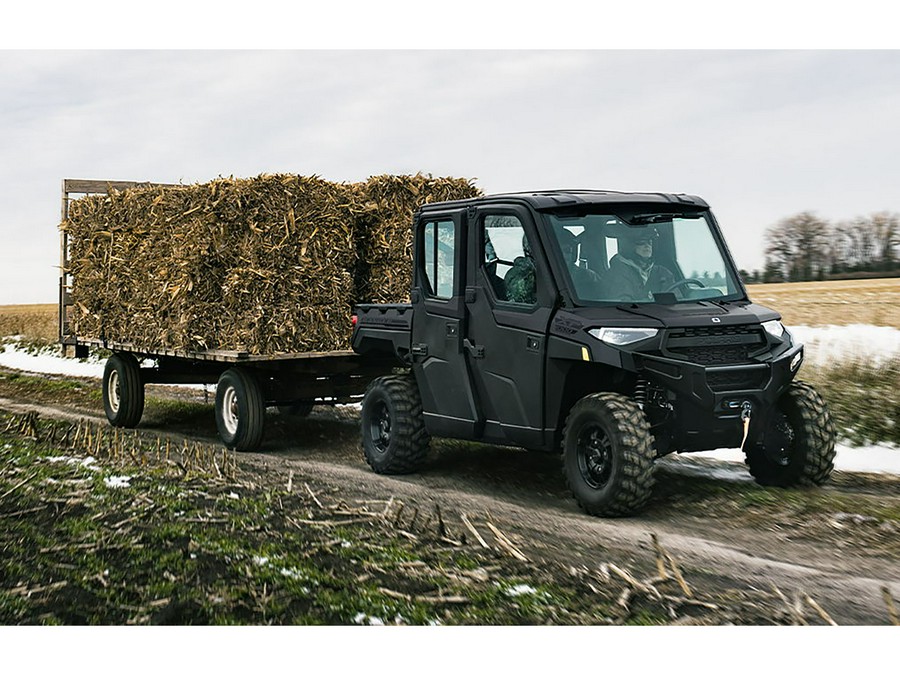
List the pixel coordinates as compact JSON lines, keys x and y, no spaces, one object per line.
{"x":715,"y":345}
{"x":714,"y":356}
{"x":736,"y":380}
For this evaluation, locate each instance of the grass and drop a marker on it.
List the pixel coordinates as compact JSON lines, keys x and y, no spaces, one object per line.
{"x":101,"y":527}
{"x":863,"y":399}
{"x":153,"y":533}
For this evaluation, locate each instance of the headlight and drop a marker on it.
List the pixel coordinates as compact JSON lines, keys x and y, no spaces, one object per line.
{"x":774,"y":328}
{"x":622,"y":336}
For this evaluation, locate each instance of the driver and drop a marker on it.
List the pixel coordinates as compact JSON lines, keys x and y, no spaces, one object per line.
{"x":633,"y":275}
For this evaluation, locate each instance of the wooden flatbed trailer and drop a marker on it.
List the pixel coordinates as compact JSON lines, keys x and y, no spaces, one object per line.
{"x":246,"y":384}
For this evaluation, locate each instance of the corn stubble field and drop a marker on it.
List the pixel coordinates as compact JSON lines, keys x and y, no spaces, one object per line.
{"x":105,"y":527}
{"x":821,"y":303}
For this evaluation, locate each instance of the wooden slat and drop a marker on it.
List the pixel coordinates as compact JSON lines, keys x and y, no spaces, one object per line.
{"x":84,"y":186}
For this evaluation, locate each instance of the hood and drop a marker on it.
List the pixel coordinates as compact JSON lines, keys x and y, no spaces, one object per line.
{"x":682,"y":315}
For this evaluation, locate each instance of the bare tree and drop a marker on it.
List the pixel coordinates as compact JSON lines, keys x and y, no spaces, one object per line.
{"x":886,"y":231}
{"x":798,"y":247}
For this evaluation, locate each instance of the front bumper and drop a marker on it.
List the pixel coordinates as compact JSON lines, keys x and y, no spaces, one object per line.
{"x":707,"y":400}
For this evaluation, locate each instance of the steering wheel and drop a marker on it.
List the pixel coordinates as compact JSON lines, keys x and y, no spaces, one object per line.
{"x":684,"y":282}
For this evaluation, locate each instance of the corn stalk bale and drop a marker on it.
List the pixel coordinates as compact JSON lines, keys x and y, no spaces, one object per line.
{"x":214,"y":266}
{"x":385,"y":230}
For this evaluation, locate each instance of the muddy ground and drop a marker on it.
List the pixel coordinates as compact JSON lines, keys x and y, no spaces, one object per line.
{"x":835,"y":550}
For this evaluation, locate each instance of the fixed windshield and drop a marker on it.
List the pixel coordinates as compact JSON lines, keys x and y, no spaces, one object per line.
{"x":643,"y":258}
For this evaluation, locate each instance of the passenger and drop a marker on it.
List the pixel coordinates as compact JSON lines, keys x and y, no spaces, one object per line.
{"x":521,"y":282}
{"x":633,"y":275}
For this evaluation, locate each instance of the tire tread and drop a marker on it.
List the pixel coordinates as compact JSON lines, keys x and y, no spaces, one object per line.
{"x":636,"y":485}
{"x":410,"y":440}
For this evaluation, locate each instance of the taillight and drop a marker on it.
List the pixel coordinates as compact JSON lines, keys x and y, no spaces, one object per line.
{"x":353,"y":320}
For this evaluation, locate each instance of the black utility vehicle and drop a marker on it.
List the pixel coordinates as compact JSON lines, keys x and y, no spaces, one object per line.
{"x":612,"y":326}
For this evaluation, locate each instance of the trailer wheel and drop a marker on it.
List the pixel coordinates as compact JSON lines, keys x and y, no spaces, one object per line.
{"x":240,"y":410}
{"x":394,"y":438}
{"x":798,"y":445}
{"x":608,"y":455}
{"x":123,"y":391}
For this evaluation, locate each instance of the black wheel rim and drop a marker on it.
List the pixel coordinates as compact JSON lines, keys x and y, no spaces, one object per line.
{"x":779,"y":445}
{"x":595,"y":456}
{"x":380,"y":427}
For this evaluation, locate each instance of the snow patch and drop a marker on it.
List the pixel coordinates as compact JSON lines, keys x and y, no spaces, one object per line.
{"x":826,"y":344}
{"x":85,"y":463}
{"x":880,"y":458}
{"x":520,"y":589}
{"x":13,"y":356}
{"x":117,"y":481}
{"x":363,"y":619}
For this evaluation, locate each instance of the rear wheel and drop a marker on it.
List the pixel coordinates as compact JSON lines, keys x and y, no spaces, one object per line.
{"x":798,"y":445}
{"x":394,"y":438}
{"x":240,"y":410}
{"x":123,"y":391}
{"x":608,"y":455}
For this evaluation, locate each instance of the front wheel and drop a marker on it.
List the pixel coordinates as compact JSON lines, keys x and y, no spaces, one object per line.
{"x":394,"y":438}
{"x":123,"y":391}
{"x":797,"y":447}
{"x":608,"y":455}
{"x":240,"y":410}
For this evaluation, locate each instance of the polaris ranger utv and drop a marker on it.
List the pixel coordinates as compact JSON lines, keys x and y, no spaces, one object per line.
{"x":610,"y":326}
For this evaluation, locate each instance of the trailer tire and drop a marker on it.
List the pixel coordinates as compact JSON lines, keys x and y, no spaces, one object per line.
{"x":123,"y":391}
{"x":798,"y":448}
{"x":608,"y":455}
{"x":394,"y":438}
{"x":240,"y":410}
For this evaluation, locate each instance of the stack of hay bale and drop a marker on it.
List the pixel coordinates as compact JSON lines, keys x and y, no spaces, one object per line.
{"x":272,"y":264}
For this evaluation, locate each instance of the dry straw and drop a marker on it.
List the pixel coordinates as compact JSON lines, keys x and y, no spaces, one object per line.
{"x":272,"y":264}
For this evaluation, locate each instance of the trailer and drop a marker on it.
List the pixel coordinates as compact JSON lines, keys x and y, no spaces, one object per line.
{"x":246,"y":384}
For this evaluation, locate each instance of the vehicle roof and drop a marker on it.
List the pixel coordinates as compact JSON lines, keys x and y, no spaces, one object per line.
{"x":552,"y":199}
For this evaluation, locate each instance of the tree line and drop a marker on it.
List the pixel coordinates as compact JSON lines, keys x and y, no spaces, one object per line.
{"x":805,"y":247}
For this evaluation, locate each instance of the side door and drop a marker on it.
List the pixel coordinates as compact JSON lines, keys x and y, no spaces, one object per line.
{"x":509,"y":298}
{"x":437,"y":296}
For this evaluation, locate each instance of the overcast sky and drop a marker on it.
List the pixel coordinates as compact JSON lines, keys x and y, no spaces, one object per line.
{"x":760,"y":134}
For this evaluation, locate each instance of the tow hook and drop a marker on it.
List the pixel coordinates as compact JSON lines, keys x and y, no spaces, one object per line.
{"x":746,"y":411}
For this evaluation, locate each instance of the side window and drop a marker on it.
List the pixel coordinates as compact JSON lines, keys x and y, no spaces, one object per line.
{"x":439,"y":248}
{"x":508,"y":262}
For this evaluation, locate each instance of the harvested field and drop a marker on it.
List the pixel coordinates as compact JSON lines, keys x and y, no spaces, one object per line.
{"x":272,"y":264}
{"x":820,"y":303}
{"x":33,"y":322}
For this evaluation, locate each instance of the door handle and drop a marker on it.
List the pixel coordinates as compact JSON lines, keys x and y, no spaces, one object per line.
{"x":477,"y":351}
